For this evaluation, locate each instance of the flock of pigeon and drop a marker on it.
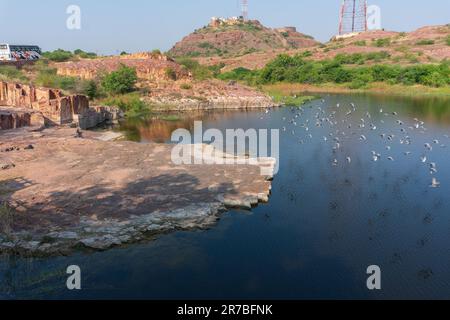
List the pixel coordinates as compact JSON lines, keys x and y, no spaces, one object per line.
{"x":363,"y":128}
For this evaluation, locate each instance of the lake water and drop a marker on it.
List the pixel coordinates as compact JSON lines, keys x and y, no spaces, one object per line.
{"x":328,"y":219}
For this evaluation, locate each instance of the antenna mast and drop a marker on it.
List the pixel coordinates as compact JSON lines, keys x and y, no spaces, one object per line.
{"x":244,"y":7}
{"x":353,"y":16}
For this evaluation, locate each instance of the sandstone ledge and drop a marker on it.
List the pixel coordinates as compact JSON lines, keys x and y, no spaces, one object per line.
{"x":206,"y":95}
{"x":68,"y":193}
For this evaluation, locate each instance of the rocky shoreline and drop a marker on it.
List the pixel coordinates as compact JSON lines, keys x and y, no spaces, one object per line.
{"x":225,"y":103}
{"x":67,"y":193}
{"x":206,"y":95}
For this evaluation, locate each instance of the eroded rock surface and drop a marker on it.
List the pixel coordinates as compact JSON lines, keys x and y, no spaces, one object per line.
{"x":69,"y":192}
{"x":152,"y":67}
{"x":51,"y":103}
{"x":207,"y":95}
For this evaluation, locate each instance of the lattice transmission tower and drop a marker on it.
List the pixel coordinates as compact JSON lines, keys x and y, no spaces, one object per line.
{"x":353,"y":17}
{"x":244,"y":8}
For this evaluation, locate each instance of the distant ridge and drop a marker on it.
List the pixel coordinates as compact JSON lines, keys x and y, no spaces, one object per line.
{"x":428,"y":44}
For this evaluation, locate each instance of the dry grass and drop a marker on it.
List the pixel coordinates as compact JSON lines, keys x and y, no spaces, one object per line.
{"x":379,"y":88}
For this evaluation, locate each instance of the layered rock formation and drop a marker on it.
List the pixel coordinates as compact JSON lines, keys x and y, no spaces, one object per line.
{"x":207,"y":95}
{"x":14,"y":118}
{"x":149,"y":66}
{"x":51,"y":103}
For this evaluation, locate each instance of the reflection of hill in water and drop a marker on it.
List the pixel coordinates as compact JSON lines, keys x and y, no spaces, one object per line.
{"x":434,"y":110}
{"x":161,"y":131}
{"x":156,"y":129}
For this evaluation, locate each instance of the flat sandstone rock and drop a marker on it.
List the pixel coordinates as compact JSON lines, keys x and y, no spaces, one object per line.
{"x":68,"y":192}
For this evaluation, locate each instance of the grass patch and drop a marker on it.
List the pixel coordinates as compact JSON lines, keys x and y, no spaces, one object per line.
{"x":380,"y":43}
{"x":185,"y":86}
{"x":171,"y":117}
{"x":11,"y":73}
{"x":284,"y":95}
{"x":200,"y":72}
{"x":130,"y":103}
{"x":376,"y":88}
{"x":360,"y":43}
{"x":425,"y":42}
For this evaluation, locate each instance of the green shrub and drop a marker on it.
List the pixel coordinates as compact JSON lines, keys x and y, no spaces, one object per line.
{"x":306,"y":54}
{"x":425,"y":42}
{"x":360,"y":43}
{"x":88,"y":55}
{"x":384,"y":42}
{"x":448,"y":40}
{"x":120,"y":81}
{"x":90,"y":89}
{"x":205,"y":45}
{"x":193,"y":54}
{"x":185,"y":86}
{"x":130,"y":103}
{"x":59,"y":55}
{"x":237,"y":74}
{"x":295,"y":69}
{"x":85,"y":55}
{"x":412,"y":58}
{"x":361,"y":78}
{"x":434,"y":79}
{"x":200,"y":72}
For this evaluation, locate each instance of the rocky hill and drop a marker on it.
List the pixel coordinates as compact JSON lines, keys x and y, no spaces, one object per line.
{"x":430,"y":44}
{"x":235,"y":37}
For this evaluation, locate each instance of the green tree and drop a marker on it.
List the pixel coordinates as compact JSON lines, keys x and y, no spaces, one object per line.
{"x":59,"y":55}
{"x":91,"y":89}
{"x":120,"y":81}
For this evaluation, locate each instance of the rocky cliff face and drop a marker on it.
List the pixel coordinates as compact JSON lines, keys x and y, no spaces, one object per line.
{"x":51,"y":103}
{"x":149,"y":66}
{"x":234,"y":39}
{"x":207,"y":95}
{"x":14,"y":118}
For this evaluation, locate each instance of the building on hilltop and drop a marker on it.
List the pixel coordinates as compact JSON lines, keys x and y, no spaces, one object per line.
{"x":217,"y":22}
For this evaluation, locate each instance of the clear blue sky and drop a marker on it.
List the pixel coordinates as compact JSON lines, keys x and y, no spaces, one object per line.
{"x":109,"y":26}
